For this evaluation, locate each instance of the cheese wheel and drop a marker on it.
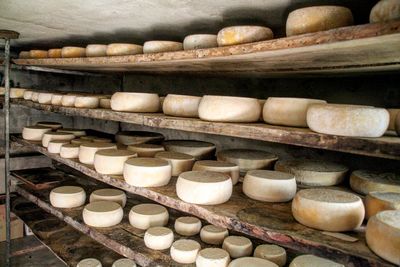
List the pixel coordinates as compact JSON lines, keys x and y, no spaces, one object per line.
{"x":228,"y":168}
{"x":311,"y":260}
{"x":383,"y":235}
{"x":313,"y":172}
{"x":212,"y":257}
{"x":185,"y":251}
{"x":109,"y":194}
{"x":38,"y":54}
{"x":187,"y":226}
{"x":247,"y":159}
{"x":28,"y":95}
{"x":69,"y":151}
{"x":238,"y":246}
{"x":137,"y":137}
{"x":124,"y":263}
{"x":379,"y":201}
{"x":76,"y":132}
{"x":24,"y":54}
{"x":105,"y":103}
{"x":317,"y":18}
{"x":181,"y":105}
{"x":55,"y":146}
{"x":364,"y":181}
{"x":200,"y":41}
{"x":79,"y":141}
{"x":101,"y":140}
{"x":96,"y":50}
{"x":17,"y":92}
{"x":161,"y":46}
{"x":67,"y":197}
{"x":89,"y":262}
{"x":87,"y":151}
{"x":86,"y":102}
{"x":144,"y":216}
{"x":288,"y":111}
{"x":135,"y":102}
{"x":121,"y":49}
{"x":51,"y":124}
{"x":88,"y":138}
{"x":348,"y":120}
{"x":102,"y":214}
{"x":328,"y":209}
{"x":147,"y":172}
{"x":35,"y":96}
{"x":34,"y":133}
{"x":273,"y":253}
{"x":229,"y":109}
{"x":213,"y":235}
{"x":385,"y":10}
{"x":198,"y":149}
{"x":73,"y":51}
{"x":49,"y":136}
{"x":179,"y":162}
{"x":392,"y":115}
{"x":251,"y":261}
{"x":146,"y":150}
{"x":68,"y":100}
{"x":54,"y":53}
{"x":56,"y":99}
{"x":111,"y":161}
{"x":204,"y":187}
{"x":243,"y":34}
{"x":45,"y":98}
{"x":158,"y":238}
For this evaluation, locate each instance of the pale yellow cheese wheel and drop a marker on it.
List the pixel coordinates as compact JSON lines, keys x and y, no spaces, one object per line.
{"x":54,"y":146}
{"x":146,"y":150}
{"x":111,"y":161}
{"x":243,"y":34}
{"x":69,"y":151}
{"x":45,"y":98}
{"x":73,"y":51}
{"x":200,"y":41}
{"x":248,"y":159}
{"x":88,"y":150}
{"x":54,"y":53}
{"x":147,"y":172}
{"x":228,"y":168}
{"x":34,"y":133}
{"x":145,"y":216}
{"x":137,"y":137}
{"x":123,"y":49}
{"x":56,"y":99}
{"x":51,"y":124}
{"x":89,"y":262}
{"x":105,"y":103}
{"x":86,"y":102}
{"x":161,"y":46}
{"x":135,"y":102}
{"x":109,"y":194}
{"x":96,"y":50}
{"x":198,"y":149}
{"x":38,"y":54}
{"x":76,"y":132}
{"x":187,"y":226}
{"x":179,"y":162}
{"x":213,"y":235}
{"x":379,"y":201}
{"x":49,"y":136}
{"x":393,"y":114}
{"x":273,"y":253}
{"x":102,"y":214}
{"x":24,"y":54}
{"x":27,"y":94}
{"x":251,"y":261}
{"x":212,"y":257}
{"x":185,"y":251}
{"x":181,"y":105}
{"x":68,"y":100}
{"x":385,"y":10}
{"x":35,"y":96}
{"x":311,"y":260}
{"x":124,"y":263}
{"x":67,"y":197}
{"x":364,"y":181}
{"x":238,"y":246}
{"x":158,"y":238}
{"x":17,"y":92}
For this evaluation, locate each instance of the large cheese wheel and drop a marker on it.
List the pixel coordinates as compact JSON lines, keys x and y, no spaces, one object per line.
{"x":311,"y":260}
{"x":185,"y":251}
{"x":67,"y":197}
{"x":383,"y":235}
{"x":147,"y":172}
{"x":17,"y":92}
{"x":317,"y":18}
{"x":86,"y":102}
{"x":121,"y":49}
{"x":379,"y":201}
{"x":238,"y":246}
{"x":229,"y":109}
{"x":38,"y":54}
{"x":179,"y":162}
{"x":89,"y":262}
{"x":212,"y":257}
{"x":348,"y":120}
{"x":247,"y":159}
{"x":288,"y":111}
{"x":198,"y":149}
{"x":364,"y":181}
{"x":393,"y":114}
{"x":105,"y":103}
{"x":243,"y":34}
{"x":56,"y":99}
{"x":273,"y":253}
{"x":102,"y":214}
{"x":69,"y":151}
{"x":144,"y":216}
{"x":251,"y":261}
{"x":53,"y":125}
{"x":181,"y":105}
{"x":146,"y":150}
{"x":137,"y":137}
{"x":214,"y":235}
{"x":109,"y":194}
{"x":49,"y":136}
{"x":34,"y":133}
{"x":68,"y":100}
{"x":187,"y":226}
{"x":135,"y":102}
{"x":124,"y":263}
{"x":328,"y":209}
{"x":54,"y":53}
{"x":24,"y":54}
{"x":204,"y":187}
{"x":45,"y":98}
{"x":87,"y":151}
{"x":269,"y":186}
{"x":158,"y":238}
{"x":161,"y":46}
{"x":35,"y":96}
{"x":385,"y":10}
{"x":200,"y":41}
{"x":73,"y":51}
{"x":27,"y":94}
{"x":54,"y":146}
{"x":111,"y":161}
{"x":76,"y":132}
{"x":228,"y":168}
{"x":96,"y":50}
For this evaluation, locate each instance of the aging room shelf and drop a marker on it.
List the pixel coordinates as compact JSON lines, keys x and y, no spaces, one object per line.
{"x":271,"y":222}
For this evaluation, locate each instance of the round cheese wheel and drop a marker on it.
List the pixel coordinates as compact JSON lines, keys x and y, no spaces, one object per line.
{"x":68,"y":100}
{"x":251,"y":261}
{"x":34,"y":133}
{"x":86,"y":102}
{"x":137,"y":137}
{"x":147,"y":172}
{"x":69,"y":151}
{"x":96,"y":50}
{"x":105,"y":103}
{"x":181,"y":105}
{"x":288,"y":111}
{"x":311,"y":260}
{"x":49,"y":136}
{"x":24,"y":54}
{"x":45,"y":98}
{"x":214,"y":235}
{"x":313,"y":172}
{"x":200,"y":41}
{"x":56,"y":99}
{"x":89,"y":262}
{"x":348,"y":120}
{"x":146,"y":150}
{"x":179,"y":162}
{"x":383,"y":235}
{"x":317,"y":18}
{"x":51,"y":124}
{"x":79,"y":141}
{"x":187,"y":226}
{"x":76,"y":132}
{"x":392,"y":115}
{"x":135,"y":102}
{"x":111,"y":161}
{"x":229,"y":109}
{"x":144,"y":216}
{"x":161,"y":46}
{"x":54,"y":146}
{"x":54,"y":53}
{"x":185,"y":251}
{"x":17,"y":92}
{"x":109,"y":194}
{"x":67,"y":197}
{"x":237,"y":246}
{"x":328,"y":209}
{"x":124,"y":263}
{"x":73,"y":51}
{"x":158,"y":238}
{"x":247,"y":159}
{"x":243,"y":34}
{"x":228,"y":168}
{"x":35,"y":96}
{"x":28,"y":95}
{"x":87,"y":151}
{"x":121,"y":49}
{"x":204,"y":187}
{"x":38,"y":54}
{"x":273,"y":253}
{"x":385,"y":10}
{"x":102,"y":214}
{"x":212,"y":257}
{"x":364,"y":181}
{"x":198,"y":149}
{"x":379,"y":201}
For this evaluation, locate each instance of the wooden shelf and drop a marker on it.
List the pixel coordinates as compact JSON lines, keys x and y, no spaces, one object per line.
{"x":271,"y":222}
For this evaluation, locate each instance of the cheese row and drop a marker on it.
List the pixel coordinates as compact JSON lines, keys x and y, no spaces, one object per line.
{"x":92,"y":262}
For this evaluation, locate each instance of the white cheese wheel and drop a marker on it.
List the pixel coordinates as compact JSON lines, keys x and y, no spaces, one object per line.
{"x":28,"y":95}
{"x":158,"y":238}
{"x":49,"y":136}
{"x":348,"y":120}
{"x":383,"y":235}
{"x":243,"y":34}
{"x":328,"y":209}
{"x":87,"y":151}
{"x":187,"y":226}
{"x":96,"y":50}
{"x":204,"y":187}
{"x":147,"y":172}
{"x":213,"y":235}
{"x":69,"y":151}
{"x":198,"y":149}
{"x":17,"y":92}
{"x":53,"y":125}
{"x":364,"y":181}
{"x":247,"y":159}
{"x":109,"y":194}
{"x":102,"y":214}
{"x":67,"y":197}
{"x":76,"y":132}
{"x":105,"y":103}
{"x":111,"y":161}
{"x":38,"y":54}
{"x":73,"y":51}
{"x":385,"y":10}
{"x":54,"y":53}
{"x":200,"y":41}
{"x":393,"y":114}
{"x":185,"y":251}
{"x":137,"y":137}
{"x":273,"y":253}
{"x":45,"y":98}
{"x":56,"y":99}
{"x":252,"y":261}
{"x":146,"y":150}
{"x":86,"y":102}
{"x":34,"y":133}
{"x":228,"y":168}
{"x":311,"y":260}
{"x":89,"y":262}
{"x":238,"y":246}
{"x":68,"y":100}
{"x":212,"y":257}
{"x":121,"y":49}
{"x":54,"y":146}
{"x":35,"y":96}
{"x":144,"y":216}
{"x":124,"y":263}
{"x":24,"y":54}
{"x":179,"y":162}
{"x":317,"y":18}
{"x":135,"y":102}
{"x":161,"y":46}
{"x":229,"y":109}
{"x":379,"y":201}
{"x":181,"y":105}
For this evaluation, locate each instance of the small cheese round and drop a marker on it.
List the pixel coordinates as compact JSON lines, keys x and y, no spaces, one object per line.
{"x":385,"y":10}
{"x":247,"y":159}
{"x":213,"y":235}
{"x":34,"y":133}
{"x":204,"y":187}
{"x":73,"y":51}
{"x":147,"y":172}
{"x":28,"y":95}
{"x":144,"y":216}
{"x":317,"y":18}
{"x":198,"y":149}
{"x":187,"y":226}
{"x":86,"y":102}
{"x":87,"y":151}
{"x":17,"y":92}
{"x":35,"y":96}
{"x":68,"y":100}
{"x":137,"y":137}
{"x":273,"y":253}
{"x":54,"y":146}
{"x":185,"y":251}
{"x":158,"y":238}
{"x":146,"y":150}
{"x":364,"y":181}
{"x":124,"y":263}
{"x":347,"y":120}
{"x":228,"y":168}
{"x":69,"y":151}
{"x":56,"y":99}
{"x":109,"y":194}
{"x":328,"y":209}
{"x":53,"y":125}
{"x":229,"y":109}
{"x":76,"y":132}
{"x":49,"y":136}
{"x":102,"y":214}
{"x":121,"y":49}
{"x":179,"y":162}
{"x":67,"y":197}
{"x":111,"y":161}
{"x":24,"y":54}
{"x":45,"y":98}
{"x":379,"y":201}
{"x":311,"y":260}
{"x":105,"y":103}
{"x":200,"y":41}
{"x":89,"y":262}
{"x":54,"y":53}
{"x":181,"y":105}
{"x":161,"y":46}
{"x":235,"y":35}
{"x":135,"y":102}
{"x":393,"y":114}
{"x":38,"y":54}
{"x":252,"y":261}
{"x":212,"y":257}
{"x":238,"y":246}
{"x":96,"y":50}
